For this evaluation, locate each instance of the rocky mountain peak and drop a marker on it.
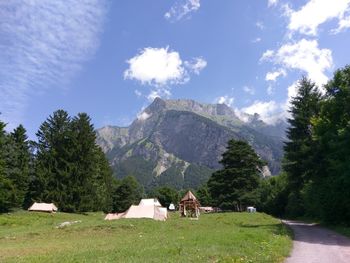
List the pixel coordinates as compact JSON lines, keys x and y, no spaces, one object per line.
{"x":180,"y":142}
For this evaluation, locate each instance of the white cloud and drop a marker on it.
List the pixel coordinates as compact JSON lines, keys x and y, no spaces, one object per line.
{"x":157,"y":67}
{"x":314,"y":13}
{"x":143,"y":116}
{"x":182,"y":9}
{"x":138,"y":93}
{"x":196,"y":65}
{"x":224,"y":100}
{"x":43,"y":44}
{"x":257,"y":40}
{"x":269,"y":111}
{"x":267,"y":55}
{"x":158,"y":93}
{"x":272,"y":3}
{"x":292,"y":92}
{"x":259,"y":25}
{"x":249,"y":90}
{"x":343,"y":24}
{"x":303,"y":55}
{"x":161,"y":68}
{"x":273,"y":76}
{"x":270,"y":90}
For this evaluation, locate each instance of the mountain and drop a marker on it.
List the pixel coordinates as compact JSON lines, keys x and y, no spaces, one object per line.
{"x":179,"y":142}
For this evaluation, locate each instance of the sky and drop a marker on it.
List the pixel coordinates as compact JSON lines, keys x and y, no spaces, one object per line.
{"x":110,"y":59}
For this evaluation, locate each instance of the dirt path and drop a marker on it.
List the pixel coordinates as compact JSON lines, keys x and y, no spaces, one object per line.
{"x":314,"y":244}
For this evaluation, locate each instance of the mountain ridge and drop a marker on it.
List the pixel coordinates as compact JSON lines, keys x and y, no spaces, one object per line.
{"x":171,"y":136}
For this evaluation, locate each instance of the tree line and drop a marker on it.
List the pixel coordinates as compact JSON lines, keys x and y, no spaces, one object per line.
{"x":64,"y":166}
{"x":315,"y":181}
{"x":317,"y":155}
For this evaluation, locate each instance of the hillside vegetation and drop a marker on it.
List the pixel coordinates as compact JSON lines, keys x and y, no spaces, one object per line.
{"x":224,"y":237}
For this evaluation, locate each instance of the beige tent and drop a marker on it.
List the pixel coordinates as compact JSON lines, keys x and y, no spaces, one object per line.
{"x":147,"y":211}
{"x":43,"y":207}
{"x":147,"y":208}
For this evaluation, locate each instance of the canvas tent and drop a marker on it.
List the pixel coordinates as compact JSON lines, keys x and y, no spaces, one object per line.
{"x":206,"y":209}
{"x":147,"y":208}
{"x":251,"y":209}
{"x":151,"y":201}
{"x":43,"y":207}
{"x":171,"y":207}
{"x":146,"y":211}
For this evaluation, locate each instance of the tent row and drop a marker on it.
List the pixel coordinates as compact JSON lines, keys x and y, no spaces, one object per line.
{"x":147,"y":208}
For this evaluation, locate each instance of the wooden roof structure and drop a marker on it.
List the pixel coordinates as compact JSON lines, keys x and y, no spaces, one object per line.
{"x":189,"y":205}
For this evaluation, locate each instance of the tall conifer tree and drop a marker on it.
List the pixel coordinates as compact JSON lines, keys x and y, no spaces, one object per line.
{"x":233,"y":186}
{"x":19,"y":163}
{"x":299,"y":148}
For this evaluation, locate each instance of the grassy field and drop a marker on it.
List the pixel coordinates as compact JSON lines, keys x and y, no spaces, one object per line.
{"x":224,"y":237}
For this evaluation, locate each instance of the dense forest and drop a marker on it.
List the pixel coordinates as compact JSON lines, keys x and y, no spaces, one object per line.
{"x":64,"y":166}
{"x":316,"y":178}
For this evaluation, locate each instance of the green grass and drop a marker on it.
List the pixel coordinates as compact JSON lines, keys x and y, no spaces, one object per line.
{"x":224,"y":237}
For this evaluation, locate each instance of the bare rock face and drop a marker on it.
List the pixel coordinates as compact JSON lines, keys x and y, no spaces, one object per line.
{"x":180,"y":142}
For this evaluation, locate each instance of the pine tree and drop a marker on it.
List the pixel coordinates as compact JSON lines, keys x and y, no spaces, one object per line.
{"x":54,"y":161}
{"x":2,"y":148}
{"x":233,"y":187}
{"x":103,"y":183}
{"x":19,"y":163}
{"x":84,"y":162}
{"x":7,"y":191}
{"x":299,"y":149}
{"x":203,"y":196}
{"x":70,"y":169}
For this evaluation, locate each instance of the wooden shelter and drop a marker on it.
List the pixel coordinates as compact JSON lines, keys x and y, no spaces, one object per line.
{"x":189,"y":205}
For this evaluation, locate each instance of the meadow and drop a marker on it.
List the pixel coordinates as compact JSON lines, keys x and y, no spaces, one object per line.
{"x":223,"y":237}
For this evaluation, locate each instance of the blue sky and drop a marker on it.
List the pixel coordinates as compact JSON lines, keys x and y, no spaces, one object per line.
{"x":111,"y":58}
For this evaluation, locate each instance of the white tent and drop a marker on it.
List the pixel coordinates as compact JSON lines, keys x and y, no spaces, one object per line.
{"x":251,"y":209}
{"x":147,"y":211}
{"x":172,"y":207}
{"x":151,"y":201}
{"x":43,"y":207}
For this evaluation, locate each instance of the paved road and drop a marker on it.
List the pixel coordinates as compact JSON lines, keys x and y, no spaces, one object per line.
{"x":314,"y":244}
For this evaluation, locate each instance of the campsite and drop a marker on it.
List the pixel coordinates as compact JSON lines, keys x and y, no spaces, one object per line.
{"x":175,"y":131}
{"x":218,"y":237}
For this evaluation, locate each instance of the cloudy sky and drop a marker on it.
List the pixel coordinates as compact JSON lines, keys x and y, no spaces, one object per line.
{"x":112,"y":58}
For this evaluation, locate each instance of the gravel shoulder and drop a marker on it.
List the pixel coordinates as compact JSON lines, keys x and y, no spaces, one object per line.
{"x":315,"y":244}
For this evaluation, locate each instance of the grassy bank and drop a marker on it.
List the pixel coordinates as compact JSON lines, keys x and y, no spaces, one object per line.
{"x":226,"y":237}
{"x":344,"y":230}
{"x":341,"y":229}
